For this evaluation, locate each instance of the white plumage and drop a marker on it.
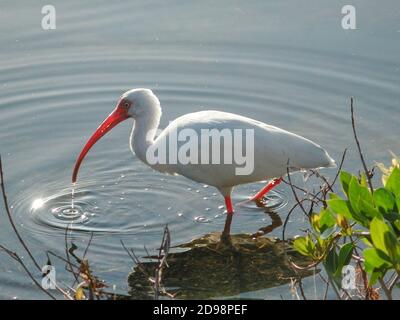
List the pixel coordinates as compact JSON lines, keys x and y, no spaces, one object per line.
{"x":274,"y":147}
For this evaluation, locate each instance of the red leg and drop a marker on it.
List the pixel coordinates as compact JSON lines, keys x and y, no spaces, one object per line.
{"x":272,"y":184}
{"x":229,"y":206}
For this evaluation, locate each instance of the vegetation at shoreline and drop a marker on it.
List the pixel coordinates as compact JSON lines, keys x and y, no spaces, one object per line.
{"x":362,"y":229}
{"x":356,"y":234}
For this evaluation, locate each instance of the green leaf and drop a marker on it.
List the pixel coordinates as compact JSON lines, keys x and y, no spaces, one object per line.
{"x":396,"y":223}
{"x":358,"y":192}
{"x":363,"y":180}
{"x":314,"y":221}
{"x":384,"y":200}
{"x":340,"y":206}
{"x":366,"y":241}
{"x":392,"y":216}
{"x":368,"y":210}
{"x":345,"y":254}
{"x":378,"y":228}
{"x":333,"y":196}
{"x":302,"y":246}
{"x":332,"y":261}
{"x":345,"y":178}
{"x":326,"y":220}
{"x":331,"y":264}
{"x":343,"y":207}
{"x":344,"y":257}
{"x":374,"y":260}
{"x":393,"y":247}
{"x":382,"y":236}
{"x":393,"y":182}
{"x":375,"y":275}
{"x":393,"y":185}
{"x":328,"y":232}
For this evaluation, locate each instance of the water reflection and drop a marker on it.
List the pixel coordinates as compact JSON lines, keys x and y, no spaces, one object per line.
{"x":209,"y":269}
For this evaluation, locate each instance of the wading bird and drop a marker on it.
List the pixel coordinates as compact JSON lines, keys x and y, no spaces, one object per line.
{"x":274,"y":148}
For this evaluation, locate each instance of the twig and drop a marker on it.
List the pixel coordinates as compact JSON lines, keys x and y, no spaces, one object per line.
{"x":322,"y":178}
{"x":299,"y":282}
{"x":359,"y":147}
{"x":3,"y":190}
{"x":330,"y":186}
{"x":131,"y":255}
{"x":69,"y":263}
{"x":340,"y":166}
{"x":287,"y":219}
{"x":294,"y":191}
{"x":333,"y":286}
{"x":162,"y":260}
{"x":385,"y":289}
{"x":63,"y":259}
{"x":394,"y":282}
{"x":314,"y":196}
{"x":15,"y":256}
{"x":88,"y":245}
{"x":293,"y":288}
{"x":135,"y":259}
{"x":327,"y":285}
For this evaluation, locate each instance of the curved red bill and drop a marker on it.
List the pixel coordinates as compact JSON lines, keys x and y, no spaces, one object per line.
{"x":119,"y":114}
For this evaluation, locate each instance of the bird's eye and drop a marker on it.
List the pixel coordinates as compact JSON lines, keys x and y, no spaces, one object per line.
{"x":126,"y":105}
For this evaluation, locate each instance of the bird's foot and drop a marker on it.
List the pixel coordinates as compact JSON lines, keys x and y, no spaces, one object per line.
{"x":226,"y":244}
{"x":225,"y":239}
{"x":260,"y":203}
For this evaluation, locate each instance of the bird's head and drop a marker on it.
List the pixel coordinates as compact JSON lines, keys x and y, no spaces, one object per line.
{"x":135,"y":103}
{"x":139,"y":103}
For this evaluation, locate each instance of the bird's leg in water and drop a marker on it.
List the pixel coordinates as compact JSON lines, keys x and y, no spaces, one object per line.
{"x":260,"y":194}
{"x":225,"y":237}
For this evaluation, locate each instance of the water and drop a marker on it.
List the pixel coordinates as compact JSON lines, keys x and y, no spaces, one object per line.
{"x":72,"y":195}
{"x":289,"y":65}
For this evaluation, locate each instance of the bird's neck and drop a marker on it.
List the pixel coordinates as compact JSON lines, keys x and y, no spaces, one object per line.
{"x":143,"y":133}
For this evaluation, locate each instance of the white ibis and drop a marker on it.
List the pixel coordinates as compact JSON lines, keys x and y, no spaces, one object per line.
{"x":273,"y":149}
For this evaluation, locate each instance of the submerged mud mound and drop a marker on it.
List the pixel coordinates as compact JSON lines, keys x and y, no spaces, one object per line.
{"x":209,"y":268}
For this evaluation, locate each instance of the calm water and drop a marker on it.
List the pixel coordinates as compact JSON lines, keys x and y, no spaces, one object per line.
{"x":287,"y":64}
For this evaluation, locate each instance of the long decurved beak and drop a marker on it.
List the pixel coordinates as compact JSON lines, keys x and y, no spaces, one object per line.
{"x":118,"y":115}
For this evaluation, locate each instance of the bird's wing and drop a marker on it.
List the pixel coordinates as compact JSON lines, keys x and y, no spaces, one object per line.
{"x":272,"y":149}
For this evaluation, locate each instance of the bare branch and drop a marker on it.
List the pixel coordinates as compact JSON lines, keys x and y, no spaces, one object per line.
{"x":17,"y":258}
{"x":367,"y":173}
{"x":294,"y":191}
{"x":88,"y":245}
{"x":385,"y":289}
{"x":67,"y":255}
{"x":3,"y":191}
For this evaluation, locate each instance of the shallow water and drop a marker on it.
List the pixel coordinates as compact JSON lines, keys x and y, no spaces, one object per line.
{"x":289,"y":65}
